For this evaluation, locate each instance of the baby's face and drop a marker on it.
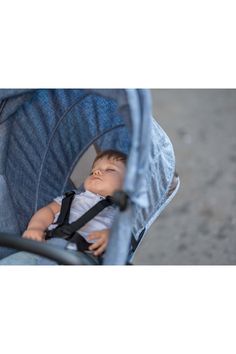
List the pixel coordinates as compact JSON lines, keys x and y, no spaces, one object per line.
{"x":106,"y":177}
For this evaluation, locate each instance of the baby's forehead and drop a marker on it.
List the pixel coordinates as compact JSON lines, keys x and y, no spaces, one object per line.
{"x":107,"y":160}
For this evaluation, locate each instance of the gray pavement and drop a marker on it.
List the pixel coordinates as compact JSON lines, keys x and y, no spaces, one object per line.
{"x":199,"y":226}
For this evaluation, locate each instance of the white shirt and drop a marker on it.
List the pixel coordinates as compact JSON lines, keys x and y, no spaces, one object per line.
{"x":81,"y":203}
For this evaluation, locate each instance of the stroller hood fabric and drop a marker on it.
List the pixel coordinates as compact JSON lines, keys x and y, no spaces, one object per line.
{"x":43,"y":134}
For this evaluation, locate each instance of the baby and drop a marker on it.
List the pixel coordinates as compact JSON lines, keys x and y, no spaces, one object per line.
{"x":106,"y":177}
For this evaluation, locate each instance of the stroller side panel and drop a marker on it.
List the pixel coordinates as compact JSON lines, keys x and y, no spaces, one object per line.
{"x":159,"y":177}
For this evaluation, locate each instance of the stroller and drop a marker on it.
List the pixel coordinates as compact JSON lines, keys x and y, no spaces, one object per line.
{"x":43,"y":135}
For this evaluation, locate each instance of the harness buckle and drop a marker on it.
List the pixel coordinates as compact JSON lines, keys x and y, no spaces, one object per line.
{"x":65,"y":232}
{"x":121,"y":199}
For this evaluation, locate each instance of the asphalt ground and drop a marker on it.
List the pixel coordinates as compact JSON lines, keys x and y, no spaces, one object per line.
{"x":199,"y":225}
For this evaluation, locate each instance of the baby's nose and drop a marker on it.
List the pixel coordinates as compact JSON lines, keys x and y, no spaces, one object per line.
{"x":97,"y":172}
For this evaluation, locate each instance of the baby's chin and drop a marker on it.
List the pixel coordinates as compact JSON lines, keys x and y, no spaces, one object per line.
{"x":95,"y":191}
{"x":95,"y":188}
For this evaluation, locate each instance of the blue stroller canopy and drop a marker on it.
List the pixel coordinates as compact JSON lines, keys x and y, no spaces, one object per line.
{"x":44,"y":133}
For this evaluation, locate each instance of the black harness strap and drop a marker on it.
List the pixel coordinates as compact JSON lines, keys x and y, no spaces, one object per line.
{"x":69,"y":231}
{"x":66,"y":230}
{"x":90,"y":214}
{"x":63,"y":217}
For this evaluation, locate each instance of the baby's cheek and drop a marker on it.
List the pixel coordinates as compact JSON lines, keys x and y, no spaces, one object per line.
{"x":118,"y":183}
{"x":86,"y":182}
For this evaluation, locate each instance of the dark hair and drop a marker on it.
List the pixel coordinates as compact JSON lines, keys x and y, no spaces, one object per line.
{"x":111,"y":154}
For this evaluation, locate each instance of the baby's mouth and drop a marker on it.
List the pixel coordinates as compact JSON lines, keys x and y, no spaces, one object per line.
{"x":96,"y":177}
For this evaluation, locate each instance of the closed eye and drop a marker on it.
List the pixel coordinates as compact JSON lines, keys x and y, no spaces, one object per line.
{"x":107,"y":170}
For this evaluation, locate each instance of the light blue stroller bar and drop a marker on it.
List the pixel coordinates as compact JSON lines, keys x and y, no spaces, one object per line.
{"x":44,"y":133}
